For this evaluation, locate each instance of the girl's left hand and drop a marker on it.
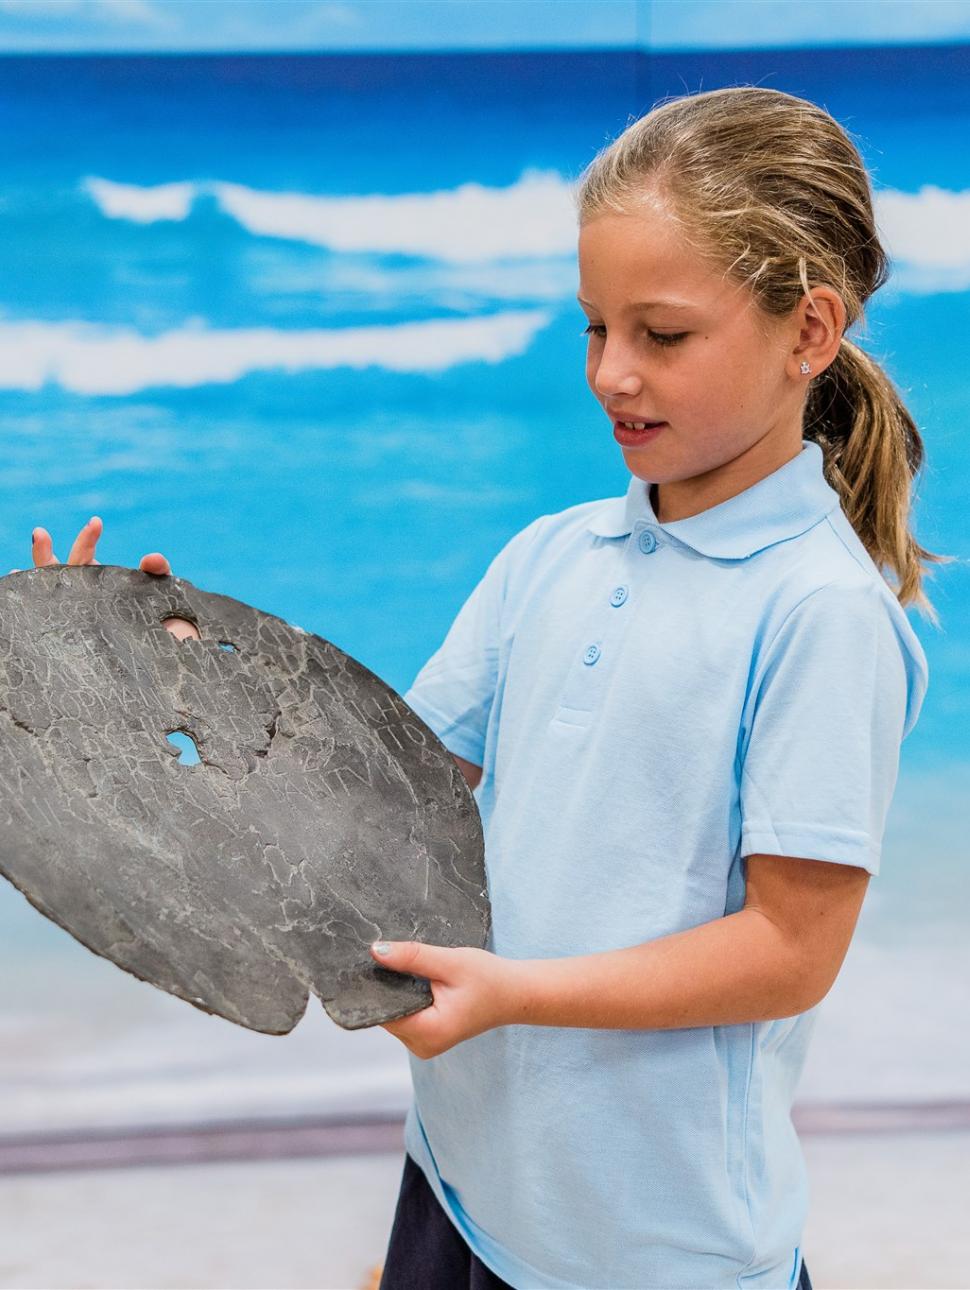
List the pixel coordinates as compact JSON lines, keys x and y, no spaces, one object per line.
{"x":473,"y":990}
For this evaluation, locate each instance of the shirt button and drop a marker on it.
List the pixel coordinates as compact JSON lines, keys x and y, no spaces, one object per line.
{"x":619,"y":595}
{"x":647,"y":542}
{"x":591,"y":655}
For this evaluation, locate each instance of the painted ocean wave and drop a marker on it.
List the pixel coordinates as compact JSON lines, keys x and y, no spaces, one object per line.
{"x":363,"y":281}
{"x":927,"y":233}
{"x":86,"y":358}
{"x":473,"y":223}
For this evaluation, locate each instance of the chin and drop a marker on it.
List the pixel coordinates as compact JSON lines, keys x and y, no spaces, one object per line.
{"x":638,"y":463}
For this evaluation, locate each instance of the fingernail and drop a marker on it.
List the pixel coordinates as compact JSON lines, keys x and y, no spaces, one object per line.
{"x":92,"y":519}
{"x":381,"y":947}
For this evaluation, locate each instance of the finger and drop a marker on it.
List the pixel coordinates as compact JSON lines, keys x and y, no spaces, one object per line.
{"x":16,"y":570}
{"x":155,"y":563}
{"x":42,"y":548}
{"x":82,"y":552}
{"x":436,"y":962}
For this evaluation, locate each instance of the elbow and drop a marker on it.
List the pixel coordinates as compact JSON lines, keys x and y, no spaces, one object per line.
{"x":806,"y":1001}
{"x":812,"y":986}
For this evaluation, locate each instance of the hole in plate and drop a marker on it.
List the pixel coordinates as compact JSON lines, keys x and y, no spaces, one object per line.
{"x":182,"y":628}
{"x":227,"y":645}
{"x":188,"y":750}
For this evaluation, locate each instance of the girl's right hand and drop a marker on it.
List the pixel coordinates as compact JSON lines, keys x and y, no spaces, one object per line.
{"x":82,"y":552}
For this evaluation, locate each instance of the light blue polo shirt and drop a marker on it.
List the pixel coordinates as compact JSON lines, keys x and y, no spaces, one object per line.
{"x":650,"y":703}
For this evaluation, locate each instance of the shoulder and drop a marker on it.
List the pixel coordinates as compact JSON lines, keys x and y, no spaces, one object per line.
{"x":540,"y":551}
{"x":837,"y":601}
{"x":555,"y":531}
{"x":576,"y":519}
{"x":844,"y":565}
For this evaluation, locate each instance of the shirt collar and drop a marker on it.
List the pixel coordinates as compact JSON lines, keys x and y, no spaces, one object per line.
{"x":785,"y":503}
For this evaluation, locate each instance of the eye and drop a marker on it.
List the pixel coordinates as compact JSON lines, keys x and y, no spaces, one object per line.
{"x":657,"y":337}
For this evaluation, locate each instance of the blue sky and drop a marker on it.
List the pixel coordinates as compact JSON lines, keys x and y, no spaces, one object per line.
{"x":186,"y":25}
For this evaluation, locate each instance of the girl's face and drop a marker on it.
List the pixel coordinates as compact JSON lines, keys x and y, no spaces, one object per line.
{"x":671,"y":340}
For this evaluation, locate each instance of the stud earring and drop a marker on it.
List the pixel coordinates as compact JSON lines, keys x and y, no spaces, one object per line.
{"x":805,"y":368}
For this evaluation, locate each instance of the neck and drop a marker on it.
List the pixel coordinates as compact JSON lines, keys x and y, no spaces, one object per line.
{"x":686,"y":497}
{"x":655,"y":501}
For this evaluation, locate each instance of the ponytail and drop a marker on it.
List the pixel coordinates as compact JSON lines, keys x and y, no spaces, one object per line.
{"x":873,"y":451}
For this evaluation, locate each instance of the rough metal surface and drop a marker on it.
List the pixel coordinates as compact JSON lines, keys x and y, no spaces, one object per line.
{"x":323,"y":815}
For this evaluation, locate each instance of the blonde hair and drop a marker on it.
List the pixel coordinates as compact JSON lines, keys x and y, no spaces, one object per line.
{"x":771,"y":186}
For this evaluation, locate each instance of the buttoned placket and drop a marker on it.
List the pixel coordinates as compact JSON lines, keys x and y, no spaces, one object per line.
{"x":607,"y":625}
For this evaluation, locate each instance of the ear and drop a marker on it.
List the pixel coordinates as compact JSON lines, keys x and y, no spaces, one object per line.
{"x":820,"y":321}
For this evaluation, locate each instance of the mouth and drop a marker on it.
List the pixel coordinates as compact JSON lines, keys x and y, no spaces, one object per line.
{"x":632,"y":434}
{"x":637,"y":425}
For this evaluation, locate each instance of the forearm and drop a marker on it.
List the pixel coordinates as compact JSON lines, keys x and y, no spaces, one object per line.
{"x":735,"y":969}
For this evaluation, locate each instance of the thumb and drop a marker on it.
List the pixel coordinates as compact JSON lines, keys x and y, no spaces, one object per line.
{"x":409,"y":956}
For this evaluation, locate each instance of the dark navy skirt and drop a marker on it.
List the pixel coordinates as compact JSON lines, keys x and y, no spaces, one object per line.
{"x":427,"y":1252}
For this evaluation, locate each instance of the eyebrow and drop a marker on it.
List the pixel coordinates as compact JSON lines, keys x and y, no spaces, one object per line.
{"x":648,"y":304}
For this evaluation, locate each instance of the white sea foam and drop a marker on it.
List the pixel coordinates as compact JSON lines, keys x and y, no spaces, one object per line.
{"x":928,"y":236}
{"x":90,"y":359}
{"x":141,"y":205}
{"x":532,"y":218}
{"x":462,"y":287}
{"x":471,"y":223}
{"x":931,"y":227}
{"x":927,"y":232}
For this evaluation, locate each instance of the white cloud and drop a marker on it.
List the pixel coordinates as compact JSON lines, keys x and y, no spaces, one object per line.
{"x":136,"y":13}
{"x":42,"y":8}
{"x":756,"y":24}
{"x":224,"y":25}
{"x":322,"y":15}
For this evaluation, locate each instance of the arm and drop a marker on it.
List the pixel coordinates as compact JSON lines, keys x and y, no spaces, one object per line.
{"x":472,"y":773}
{"x":776,"y":957}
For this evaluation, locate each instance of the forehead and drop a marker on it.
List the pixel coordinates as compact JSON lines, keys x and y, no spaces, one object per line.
{"x":643,"y":257}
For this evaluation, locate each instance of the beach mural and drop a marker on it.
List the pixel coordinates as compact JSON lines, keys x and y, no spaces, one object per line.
{"x":306,"y":324}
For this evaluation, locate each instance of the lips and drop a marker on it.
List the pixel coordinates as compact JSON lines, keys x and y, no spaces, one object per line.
{"x":630,"y":438}
{"x":631,"y":418}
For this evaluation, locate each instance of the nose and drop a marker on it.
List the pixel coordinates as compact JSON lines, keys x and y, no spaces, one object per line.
{"x":615,"y":374}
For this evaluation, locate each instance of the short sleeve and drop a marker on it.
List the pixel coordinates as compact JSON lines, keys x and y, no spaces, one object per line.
{"x":454,"y":691}
{"x":838,"y":690}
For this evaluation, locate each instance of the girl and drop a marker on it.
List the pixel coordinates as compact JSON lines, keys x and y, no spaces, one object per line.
{"x":681,"y":710}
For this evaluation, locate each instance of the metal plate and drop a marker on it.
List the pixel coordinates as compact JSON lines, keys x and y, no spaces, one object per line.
{"x":323,"y":814}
